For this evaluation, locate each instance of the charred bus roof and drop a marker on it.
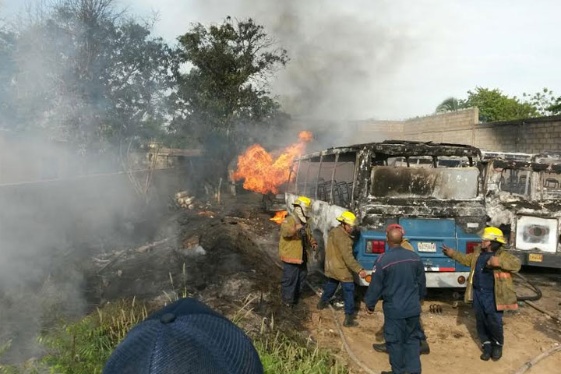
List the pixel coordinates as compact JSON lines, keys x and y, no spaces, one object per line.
{"x":525,"y":161}
{"x":395,"y":148}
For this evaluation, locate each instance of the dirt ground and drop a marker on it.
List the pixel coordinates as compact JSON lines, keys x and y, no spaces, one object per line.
{"x":224,"y":254}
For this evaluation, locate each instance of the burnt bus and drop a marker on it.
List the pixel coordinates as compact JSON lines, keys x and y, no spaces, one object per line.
{"x":435,"y":191}
{"x":524,"y":200}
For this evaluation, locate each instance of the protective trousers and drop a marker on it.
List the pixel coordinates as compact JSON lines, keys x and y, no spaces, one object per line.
{"x":489,"y":321}
{"x":292,"y":282}
{"x":403,"y":344}
{"x":348,"y":293}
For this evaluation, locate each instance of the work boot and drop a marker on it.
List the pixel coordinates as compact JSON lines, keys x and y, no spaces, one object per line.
{"x":497,"y":352}
{"x":486,"y":355}
{"x":425,"y":349}
{"x":322,"y":304}
{"x":350,"y":321}
{"x":380,"y":347}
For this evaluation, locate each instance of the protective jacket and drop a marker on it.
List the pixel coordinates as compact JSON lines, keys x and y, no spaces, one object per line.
{"x":505,"y":296}
{"x":339,"y":259}
{"x":294,"y":242}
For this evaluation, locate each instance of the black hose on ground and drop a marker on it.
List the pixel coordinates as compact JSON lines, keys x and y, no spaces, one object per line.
{"x":533,"y":287}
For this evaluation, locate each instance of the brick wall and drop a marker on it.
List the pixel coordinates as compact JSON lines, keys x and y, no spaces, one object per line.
{"x":528,"y":136}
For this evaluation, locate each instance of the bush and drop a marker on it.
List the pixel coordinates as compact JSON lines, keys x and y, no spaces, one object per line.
{"x":281,"y":354}
{"x":85,"y":346}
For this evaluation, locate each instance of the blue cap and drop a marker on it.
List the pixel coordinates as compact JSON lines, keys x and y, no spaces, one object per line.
{"x":185,"y":337}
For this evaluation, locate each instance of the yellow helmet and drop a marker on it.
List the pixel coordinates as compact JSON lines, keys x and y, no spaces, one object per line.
{"x":303,"y":201}
{"x":493,"y":233}
{"x":347,"y":217}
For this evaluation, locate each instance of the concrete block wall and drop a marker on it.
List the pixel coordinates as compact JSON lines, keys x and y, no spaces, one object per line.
{"x":373,"y":131}
{"x":529,"y":136}
{"x":539,"y":137}
{"x":533,"y":135}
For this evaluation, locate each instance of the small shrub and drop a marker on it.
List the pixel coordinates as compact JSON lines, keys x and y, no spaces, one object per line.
{"x":84,"y":347}
{"x":282,"y":354}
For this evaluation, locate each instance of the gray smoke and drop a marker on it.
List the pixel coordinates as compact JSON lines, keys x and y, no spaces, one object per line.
{"x":341,"y":54}
{"x":344,"y":56}
{"x":59,"y":205}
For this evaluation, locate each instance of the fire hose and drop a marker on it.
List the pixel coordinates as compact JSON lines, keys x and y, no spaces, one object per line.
{"x":348,"y":349}
{"x":532,"y":286}
{"x":341,"y":334}
{"x":528,"y":300}
{"x":534,"y":361}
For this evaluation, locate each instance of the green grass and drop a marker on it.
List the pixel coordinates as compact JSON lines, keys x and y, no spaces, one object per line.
{"x":84,"y":346}
{"x":281,"y":354}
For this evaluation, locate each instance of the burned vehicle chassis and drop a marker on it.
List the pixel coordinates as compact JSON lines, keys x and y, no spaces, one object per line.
{"x":434,"y":190}
{"x":524,"y":200}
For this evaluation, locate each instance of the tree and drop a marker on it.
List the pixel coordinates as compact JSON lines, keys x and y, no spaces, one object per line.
{"x":223,"y":100}
{"x":7,"y":71}
{"x":493,"y":105}
{"x":90,"y":75}
{"x":451,"y":104}
{"x":545,"y":102}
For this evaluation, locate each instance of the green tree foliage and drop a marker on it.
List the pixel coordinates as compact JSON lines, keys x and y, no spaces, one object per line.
{"x":451,"y":104}
{"x":88,"y":74}
{"x":493,"y":105}
{"x":545,"y":102}
{"x":223,"y":100}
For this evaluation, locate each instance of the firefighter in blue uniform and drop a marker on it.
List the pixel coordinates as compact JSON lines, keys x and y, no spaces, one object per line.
{"x":399,"y":279}
{"x":425,"y":348}
{"x":490,"y":288}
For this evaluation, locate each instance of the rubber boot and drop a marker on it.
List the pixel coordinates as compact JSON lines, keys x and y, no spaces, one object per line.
{"x":350,"y":321}
{"x":496,"y":352}
{"x":487,"y":349}
{"x":425,"y":349}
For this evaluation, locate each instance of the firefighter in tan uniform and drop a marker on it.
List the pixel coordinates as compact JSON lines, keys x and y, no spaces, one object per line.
{"x":340,"y":265}
{"x":296,"y":240}
{"x":425,"y":348}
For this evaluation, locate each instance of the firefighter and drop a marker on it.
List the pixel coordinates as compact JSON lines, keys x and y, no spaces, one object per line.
{"x":425,"y":348}
{"x":295,"y":241}
{"x":399,"y":280}
{"x":490,"y":288}
{"x":339,"y":265}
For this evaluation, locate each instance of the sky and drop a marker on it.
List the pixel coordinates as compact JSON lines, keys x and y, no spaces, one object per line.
{"x":384,"y":59}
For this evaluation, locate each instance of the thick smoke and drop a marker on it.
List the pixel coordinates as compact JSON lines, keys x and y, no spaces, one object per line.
{"x":344,"y":56}
{"x":62,"y":204}
{"x":338,"y":56}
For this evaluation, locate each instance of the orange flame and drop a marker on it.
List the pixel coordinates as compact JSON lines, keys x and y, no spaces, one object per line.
{"x":263,"y":172}
{"x":279,"y":216}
